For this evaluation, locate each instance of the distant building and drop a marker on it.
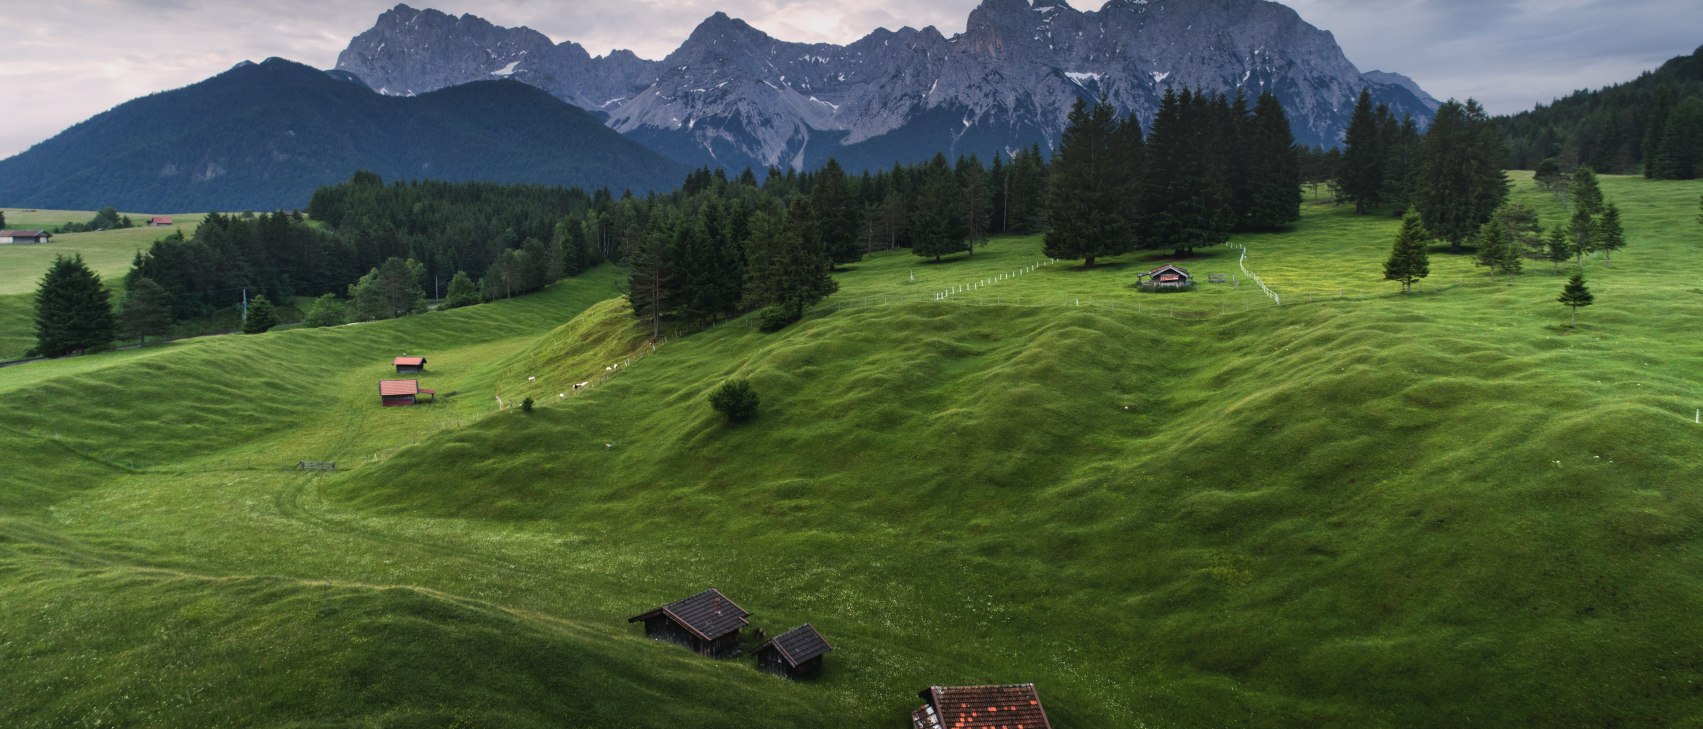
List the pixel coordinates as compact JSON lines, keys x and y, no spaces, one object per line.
{"x":401,"y":392}
{"x":795,"y":654}
{"x":159,"y":222}
{"x":980,"y":707}
{"x":25,"y":236}
{"x":707,"y":623}
{"x":1168,"y":276}
{"x":405,"y":365}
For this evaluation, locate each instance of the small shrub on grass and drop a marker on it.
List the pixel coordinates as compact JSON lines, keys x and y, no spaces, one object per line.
{"x":736,"y":400}
{"x":775,"y":318}
{"x":526,"y":405}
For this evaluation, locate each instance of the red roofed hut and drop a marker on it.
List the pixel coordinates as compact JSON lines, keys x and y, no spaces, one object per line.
{"x":1014,"y":706}
{"x":708,"y":623}
{"x":795,"y":654}
{"x":1168,"y":276}
{"x":408,"y":365}
{"x":159,"y":222}
{"x":394,"y":393}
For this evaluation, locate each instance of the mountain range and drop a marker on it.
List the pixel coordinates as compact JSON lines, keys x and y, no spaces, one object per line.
{"x":265,"y":135}
{"x":733,"y":96}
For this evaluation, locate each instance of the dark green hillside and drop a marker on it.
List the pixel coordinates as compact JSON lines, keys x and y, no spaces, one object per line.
{"x":1617,"y":129}
{"x":265,"y":136}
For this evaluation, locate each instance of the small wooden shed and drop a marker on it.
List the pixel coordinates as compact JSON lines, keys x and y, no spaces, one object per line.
{"x":409,"y":365}
{"x":1168,"y":276}
{"x":395,"y":393}
{"x":25,"y":236}
{"x":159,"y":222}
{"x":795,"y":654}
{"x":707,"y":623}
{"x":982,"y":707}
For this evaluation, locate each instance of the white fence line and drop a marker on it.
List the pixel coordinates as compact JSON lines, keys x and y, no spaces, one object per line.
{"x":949,"y":293}
{"x":1243,"y":263}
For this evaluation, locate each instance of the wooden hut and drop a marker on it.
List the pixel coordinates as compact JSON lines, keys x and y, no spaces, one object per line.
{"x":159,"y":222}
{"x":980,"y":707}
{"x":707,"y":623}
{"x":395,"y":393}
{"x":1168,"y":276}
{"x":25,"y":236}
{"x":409,"y":365}
{"x":795,"y":654}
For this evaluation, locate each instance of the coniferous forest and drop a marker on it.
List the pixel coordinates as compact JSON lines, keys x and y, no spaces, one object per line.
{"x":1652,"y":124}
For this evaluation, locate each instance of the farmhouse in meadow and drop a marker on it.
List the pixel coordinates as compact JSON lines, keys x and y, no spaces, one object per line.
{"x":159,"y":222}
{"x":707,"y":623}
{"x":406,"y":365}
{"x":394,"y":393}
{"x":795,"y":654}
{"x":1168,"y":276}
{"x":950,"y":707}
{"x":25,"y":236}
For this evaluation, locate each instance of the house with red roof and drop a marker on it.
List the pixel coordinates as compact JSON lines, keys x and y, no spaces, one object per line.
{"x":407,"y":365}
{"x":398,"y":393}
{"x":1168,"y":276}
{"x":159,"y":222}
{"x":1011,"y":706}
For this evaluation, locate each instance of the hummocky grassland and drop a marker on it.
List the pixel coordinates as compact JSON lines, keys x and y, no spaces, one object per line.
{"x":1198,"y":510}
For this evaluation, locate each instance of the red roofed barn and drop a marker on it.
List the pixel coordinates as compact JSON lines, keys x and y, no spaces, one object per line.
{"x":708,"y":623}
{"x":401,"y":392}
{"x":405,"y":365}
{"x":1014,"y":706}
{"x":159,"y":222}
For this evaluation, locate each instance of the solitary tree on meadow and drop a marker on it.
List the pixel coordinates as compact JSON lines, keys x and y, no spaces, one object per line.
{"x":1583,"y":234}
{"x":1611,"y":236}
{"x":1558,"y":246}
{"x":1584,"y":192}
{"x":1408,"y":260}
{"x":462,"y":292}
{"x":73,"y":311}
{"x":261,"y":316}
{"x":1575,"y":296}
{"x":1497,"y":250}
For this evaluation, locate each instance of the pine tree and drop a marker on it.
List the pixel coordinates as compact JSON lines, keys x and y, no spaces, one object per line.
{"x":783,"y":268}
{"x":145,"y":310}
{"x":392,"y":290}
{"x":651,"y":287}
{"x":261,"y":316}
{"x":462,"y":292}
{"x":1558,"y":247}
{"x":1409,"y":260}
{"x":1401,"y":164}
{"x":836,"y":215}
{"x":329,"y":311}
{"x":1583,"y":191}
{"x":1363,"y":157}
{"x":1582,"y":234}
{"x":1524,"y":232}
{"x":1274,"y":168}
{"x":1681,"y":154}
{"x":937,"y":223}
{"x":1185,"y":197}
{"x":1575,"y":296}
{"x":1611,"y":236}
{"x":1497,"y":250}
{"x":1461,"y":182}
{"x":1087,"y":205}
{"x":73,"y":311}
{"x":972,"y":188}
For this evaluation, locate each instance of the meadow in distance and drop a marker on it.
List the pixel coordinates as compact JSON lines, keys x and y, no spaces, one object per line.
{"x":1358,"y":508}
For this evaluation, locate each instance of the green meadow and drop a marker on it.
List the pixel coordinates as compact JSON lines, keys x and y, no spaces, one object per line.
{"x":1202,"y":509}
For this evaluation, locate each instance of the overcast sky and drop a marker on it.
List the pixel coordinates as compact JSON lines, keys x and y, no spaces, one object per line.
{"x":67,"y":60}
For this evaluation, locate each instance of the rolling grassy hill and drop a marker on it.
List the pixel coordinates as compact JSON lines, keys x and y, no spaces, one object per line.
{"x":1357,"y":509}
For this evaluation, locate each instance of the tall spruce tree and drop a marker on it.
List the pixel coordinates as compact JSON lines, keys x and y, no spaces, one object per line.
{"x":1681,"y":153}
{"x":145,"y":310}
{"x":1497,"y":250}
{"x":652,"y":280}
{"x":1558,"y":246}
{"x":1611,"y":236}
{"x":73,"y":311}
{"x":836,"y":214}
{"x":973,"y":190}
{"x":1583,"y":192}
{"x":1361,"y":176}
{"x":1582,"y":234}
{"x":1091,"y":189}
{"x":937,"y":222}
{"x":1401,"y":164}
{"x":783,"y":267}
{"x":1575,"y":296}
{"x":1185,"y":198}
{"x":462,"y":292}
{"x":1461,"y":182}
{"x":1273,"y":169}
{"x":1409,"y":261}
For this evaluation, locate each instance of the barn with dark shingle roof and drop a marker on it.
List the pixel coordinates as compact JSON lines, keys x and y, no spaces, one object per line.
{"x":795,"y":654}
{"x":1012,"y":706}
{"x":708,"y":623}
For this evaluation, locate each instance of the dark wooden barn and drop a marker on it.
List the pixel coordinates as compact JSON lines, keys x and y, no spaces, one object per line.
{"x":409,"y":365}
{"x":395,"y":393}
{"x":25,"y":236}
{"x":707,"y":623}
{"x":1168,"y":276}
{"x":980,"y":707}
{"x":795,"y":654}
